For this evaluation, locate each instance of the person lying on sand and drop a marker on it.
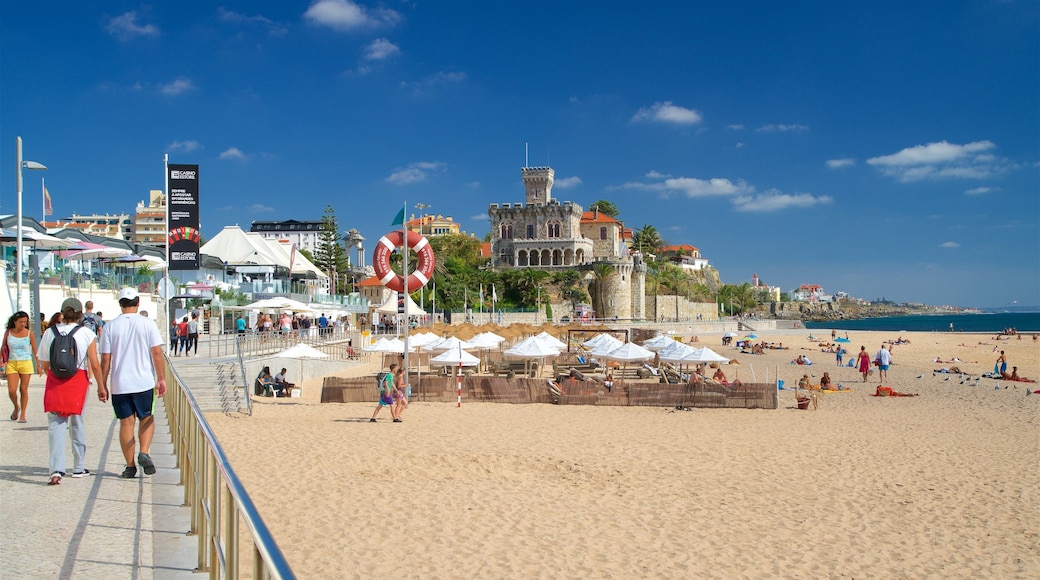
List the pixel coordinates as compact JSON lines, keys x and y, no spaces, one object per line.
{"x":888,"y":392}
{"x":1013,"y":376}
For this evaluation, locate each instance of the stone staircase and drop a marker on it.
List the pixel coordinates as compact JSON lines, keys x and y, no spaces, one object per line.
{"x":217,"y":385}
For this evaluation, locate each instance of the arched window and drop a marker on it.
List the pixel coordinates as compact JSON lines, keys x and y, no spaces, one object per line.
{"x":507,"y":231}
{"x":552,"y":230}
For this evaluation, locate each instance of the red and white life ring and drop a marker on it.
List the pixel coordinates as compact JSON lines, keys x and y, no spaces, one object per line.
{"x":423,"y":266}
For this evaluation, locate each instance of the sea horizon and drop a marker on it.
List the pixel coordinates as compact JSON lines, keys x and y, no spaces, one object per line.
{"x":985,"y":322}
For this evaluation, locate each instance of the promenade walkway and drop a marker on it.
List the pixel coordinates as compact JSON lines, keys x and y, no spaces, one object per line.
{"x":100,"y":526}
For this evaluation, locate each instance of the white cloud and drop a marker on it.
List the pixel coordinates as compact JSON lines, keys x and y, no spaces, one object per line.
{"x":980,"y":190}
{"x":567,"y":182}
{"x":840,"y":163}
{"x":654,"y":174}
{"x":781,"y":128}
{"x":941,"y":160}
{"x":480,"y":217}
{"x":735,"y":127}
{"x":125,"y":27}
{"x":434,"y":81}
{"x":380,"y":49}
{"x":273,"y":27}
{"x":177,"y":87}
{"x":415,"y":172}
{"x":949,"y":245}
{"x":259,"y":208}
{"x":666,"y":112}
{"x":185,"y":146}
{"x":346,"y":15}
{"x":694,"y":187}
{"x":773,"y":200}
{"x":739,"y":145}
{"x":233,"y":153}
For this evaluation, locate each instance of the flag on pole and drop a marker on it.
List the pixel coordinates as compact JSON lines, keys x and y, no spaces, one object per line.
{"x":48,"y":209}
{"x":399,"y":220}
{"x":494,"y":295}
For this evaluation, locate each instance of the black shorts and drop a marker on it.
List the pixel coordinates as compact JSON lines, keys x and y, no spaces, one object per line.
{"x":140,"y":404}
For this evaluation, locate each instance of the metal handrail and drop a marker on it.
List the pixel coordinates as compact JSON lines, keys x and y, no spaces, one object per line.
{"x":217,"y":498}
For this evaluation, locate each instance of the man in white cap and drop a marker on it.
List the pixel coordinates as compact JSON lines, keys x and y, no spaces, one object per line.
{"x":134,"y":370}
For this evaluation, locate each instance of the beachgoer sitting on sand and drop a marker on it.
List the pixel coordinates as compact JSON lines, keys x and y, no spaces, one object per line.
{"x":825,"y":382}
{"x":719,"y":376}
{"x":609,"y":382}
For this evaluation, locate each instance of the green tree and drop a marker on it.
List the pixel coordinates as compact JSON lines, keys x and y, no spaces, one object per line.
{"x":329,"y":255}
{"x":647,"y":240}
{"x":605,"y":207}
{"x":603,"y":272}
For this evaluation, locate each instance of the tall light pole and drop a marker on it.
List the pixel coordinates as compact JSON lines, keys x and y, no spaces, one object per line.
{"x":18,"y":227}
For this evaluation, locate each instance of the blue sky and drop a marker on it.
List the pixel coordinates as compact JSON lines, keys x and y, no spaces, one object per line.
{"x":880,"y":148}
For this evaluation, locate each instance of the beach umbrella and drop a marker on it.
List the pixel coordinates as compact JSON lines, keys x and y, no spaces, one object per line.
{"x":455,"y":357}
{"x":729,"y":335}
{"x":675,"y":353}
{"x":751,"y":336}
{"x":533,"y":348}
{"x":658,"y":342}
{"x":602,"y":341}
{"x":550,"y":340}
{"x":302,"y":352}
{"x":629,"y":352}
{"x":704,"y":355}
{"x":446,"y":344}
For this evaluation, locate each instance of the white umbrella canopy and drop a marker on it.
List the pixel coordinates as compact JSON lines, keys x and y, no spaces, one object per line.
{"x":532,"y":348}
{"x":551,"y":340}
{"x":675,"y":352}
{"x":378,"y":346}
{"x":658,"y":342}
{"x":484,"y":341}
{"x":445,"y":344}
{"x":422,"y":339}
{"x":704,"y":355}
{"x":453,"y":356}
{"x":491,"y":336}
{"x":730,"y":335}
{"x":301,"y":351}
{"x":629,"y":352}
{"x":602,"y":341}
{"x":31,"y":237}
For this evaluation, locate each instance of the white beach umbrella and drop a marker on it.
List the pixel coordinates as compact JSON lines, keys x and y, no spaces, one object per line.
{"x":675,"y":353}
{"x":602,"y":341}
{"x":533,"y":348}
{"x":550,"y":340}
{"x":629,"y":352}
{"x":445,"y":344}
{"x":301,"y":351}
{"x":658,"y":342}
{"x":704,"y":355}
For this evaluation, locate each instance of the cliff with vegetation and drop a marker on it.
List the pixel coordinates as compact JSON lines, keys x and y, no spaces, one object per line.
{"x":826,"y":311}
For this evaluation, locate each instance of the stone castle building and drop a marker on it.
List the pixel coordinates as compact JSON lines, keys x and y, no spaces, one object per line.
{"x":547,"y":234}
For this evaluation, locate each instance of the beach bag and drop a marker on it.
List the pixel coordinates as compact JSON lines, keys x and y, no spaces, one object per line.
{"x":5,"y":351}
{"x":63,"y":354}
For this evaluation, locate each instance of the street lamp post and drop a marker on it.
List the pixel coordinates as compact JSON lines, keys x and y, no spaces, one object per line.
{"x":18,"y":227}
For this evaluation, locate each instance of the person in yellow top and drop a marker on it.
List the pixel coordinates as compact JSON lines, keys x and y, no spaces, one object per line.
{"x":21,"y":362}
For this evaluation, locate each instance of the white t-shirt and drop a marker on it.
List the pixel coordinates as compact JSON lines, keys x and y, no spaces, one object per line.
{"x":884,"y":357}
{"x":84,"y":336}
{"x":129,"y":338}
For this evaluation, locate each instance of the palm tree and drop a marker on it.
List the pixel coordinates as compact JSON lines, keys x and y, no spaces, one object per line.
{"x":648,"y":240}
{"x":603,"y":272}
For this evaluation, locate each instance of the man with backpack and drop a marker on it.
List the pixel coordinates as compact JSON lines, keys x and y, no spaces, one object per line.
{"x":91,"y":320}
{"x":133,"y":368}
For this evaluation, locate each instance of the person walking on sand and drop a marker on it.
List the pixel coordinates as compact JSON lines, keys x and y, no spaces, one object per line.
{"x":1000,"y":367}
{"x":64,"y":397}
{"x":863,"y":362}
{"x":839,"y":353}
{"x":400,"y":393}
{"x":883,"y":358}
{"x":21,"y":362}
{"x":133,"y":367}
{"x":386,"y":397}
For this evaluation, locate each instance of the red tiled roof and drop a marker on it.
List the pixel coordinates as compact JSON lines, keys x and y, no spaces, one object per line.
{"x":485,"y":250}
{"x":372,"y":281}
{"x":683,"y":247}
{"x":597,"y":217}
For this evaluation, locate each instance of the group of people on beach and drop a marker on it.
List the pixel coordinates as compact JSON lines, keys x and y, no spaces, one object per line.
{"x":125,"y":361}
{"x":393,"y":392}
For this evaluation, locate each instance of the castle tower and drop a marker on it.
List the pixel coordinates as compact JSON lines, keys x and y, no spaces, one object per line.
{"x":638,"y":287}
{"x":538,"y":182}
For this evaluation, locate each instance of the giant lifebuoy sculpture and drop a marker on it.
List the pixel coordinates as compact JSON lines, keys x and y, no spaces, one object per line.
{"x":423,"y":264}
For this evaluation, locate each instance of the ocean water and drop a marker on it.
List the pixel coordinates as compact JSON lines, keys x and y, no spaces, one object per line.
{"x":1025,"y":322}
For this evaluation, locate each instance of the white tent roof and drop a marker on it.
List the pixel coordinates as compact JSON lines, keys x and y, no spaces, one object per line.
{"x":390,"y":306}
{"x":239,"y":248}
{"x":446,"y":344}
{"x":704,"y":355}
{"x":675,"y":352}
{"x":658,"y":342}
{"x":550,"y":340}
{"x":302,"y":350}
{"x":602,"y":340}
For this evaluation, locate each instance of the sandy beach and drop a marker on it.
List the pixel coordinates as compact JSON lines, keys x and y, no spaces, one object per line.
{"x":944,"y":484}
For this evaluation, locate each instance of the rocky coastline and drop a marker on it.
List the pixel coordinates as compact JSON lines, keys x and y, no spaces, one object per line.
{"x":825,"y":312}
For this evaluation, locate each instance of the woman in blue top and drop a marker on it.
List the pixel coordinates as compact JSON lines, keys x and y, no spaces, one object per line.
{"x":21,"y":362}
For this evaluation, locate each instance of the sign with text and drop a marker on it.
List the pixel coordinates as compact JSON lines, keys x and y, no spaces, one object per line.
{"x":183,"y":206}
